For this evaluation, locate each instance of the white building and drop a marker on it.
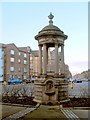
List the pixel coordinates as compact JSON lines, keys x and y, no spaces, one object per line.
{"x":1,"y":63}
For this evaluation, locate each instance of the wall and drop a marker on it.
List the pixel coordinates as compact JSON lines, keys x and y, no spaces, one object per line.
{"x":1,"y":64}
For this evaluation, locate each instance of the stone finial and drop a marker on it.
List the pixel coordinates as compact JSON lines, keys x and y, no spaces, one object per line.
{"x":50,"y":17}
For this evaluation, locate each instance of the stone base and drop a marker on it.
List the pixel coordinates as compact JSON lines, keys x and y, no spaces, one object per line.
{"x":51,"y":90}
{"x":53,"y":75}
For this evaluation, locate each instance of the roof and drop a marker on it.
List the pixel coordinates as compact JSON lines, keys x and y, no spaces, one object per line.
{"x":35,"y":53}
{"x":2,"y":45}
{"x":51,"y":30}
{"x":50,"y":27}
{"x":24,"y":49}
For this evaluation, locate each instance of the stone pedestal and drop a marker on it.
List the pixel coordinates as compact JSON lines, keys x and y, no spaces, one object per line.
{"x":51,"y":90}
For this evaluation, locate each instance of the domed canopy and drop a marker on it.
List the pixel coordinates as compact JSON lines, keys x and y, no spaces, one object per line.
{"x":51,"y":30}
{"x":50,"y":27}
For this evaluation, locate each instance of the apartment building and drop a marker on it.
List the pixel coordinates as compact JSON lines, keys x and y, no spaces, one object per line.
{"x":16,"y":62}
{"x":52,"y":61}
{"x":1,"y":62}
{"x":34,"y":60}
{"x":22,"y":62}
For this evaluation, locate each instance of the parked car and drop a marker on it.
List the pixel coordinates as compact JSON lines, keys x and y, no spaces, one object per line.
{"x":75,"y":80}
{"x":33,"y":79}
{"x":78,"y":80}
{"x":14,"y":81}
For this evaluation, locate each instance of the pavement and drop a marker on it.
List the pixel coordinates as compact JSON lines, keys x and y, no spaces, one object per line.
{"x":82,"y":114}
{"x":45,"y":112}
{"x":42,"y":112}
{"x":8,"y":110}
{"x":77,"y":113}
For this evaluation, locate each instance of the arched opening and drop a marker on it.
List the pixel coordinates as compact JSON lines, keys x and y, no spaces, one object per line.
{"x":49,"y":85}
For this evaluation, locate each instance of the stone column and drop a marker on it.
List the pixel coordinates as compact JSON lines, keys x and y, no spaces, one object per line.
{"x":56,"y":59}
{"x":62,"y":60}
{"x":40,"y":59}
{"x":44,"y":60}
{"x":47,"y":54}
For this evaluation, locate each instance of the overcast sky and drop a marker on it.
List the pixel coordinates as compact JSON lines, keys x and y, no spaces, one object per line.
{"x":21,"y":21}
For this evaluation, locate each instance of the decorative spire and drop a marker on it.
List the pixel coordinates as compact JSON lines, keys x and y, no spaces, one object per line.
{"x":50,"y":17}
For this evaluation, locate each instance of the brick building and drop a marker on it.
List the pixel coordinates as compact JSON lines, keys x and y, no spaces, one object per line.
{"x":21,"y":62}
{"x":18,"y":62}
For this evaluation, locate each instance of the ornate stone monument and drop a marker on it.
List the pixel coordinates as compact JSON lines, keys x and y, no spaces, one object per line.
{"x":51,"y":88}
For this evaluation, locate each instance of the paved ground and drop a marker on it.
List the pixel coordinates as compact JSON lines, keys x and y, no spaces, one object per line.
{"x":19,"y":114}
{"x":43,"y":112}
{"x":82,"y":114}
{"x":79,"y":113}
{"x":8,"y":110}
{"x":69,"y":114}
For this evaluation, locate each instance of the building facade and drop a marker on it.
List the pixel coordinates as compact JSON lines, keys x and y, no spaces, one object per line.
{"x":21,"y":62}
{"x":52,"y":60}
{"x":16,"y":63}
{"x":1,"y":62}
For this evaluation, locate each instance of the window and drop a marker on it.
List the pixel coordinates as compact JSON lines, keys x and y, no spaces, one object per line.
{"x":25,"y":77}
{"x":1,"y":75}
{"x":2,"y":50}
{"x":19,"y":53}
{"x":25,"y":55}
{"x":2,"y":58}
{"x":19,"y":60}
{"x":31,"y":71}
{"x":11,"y":77}
{"x":12,"y":59}
{"x":19,"y":77}
{"x":25,"y":69}
{"x":12,"y":52}
{"x":11,"y":69}
{"x":19,"y":69}
{"x":2,"y":67}
{"x":31,"y":58}
{"x":31,"y":64}
{"x":25,"y":62}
